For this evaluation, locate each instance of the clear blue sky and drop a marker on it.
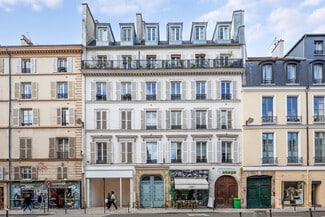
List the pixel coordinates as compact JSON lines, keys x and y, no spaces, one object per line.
{"x":59,"y":21}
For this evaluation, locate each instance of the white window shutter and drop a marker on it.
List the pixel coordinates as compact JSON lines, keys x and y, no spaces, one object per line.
{"x":234,"y":90}
{"x":168,"y":90}
{"x":53,"y":90}
{"x":159,"y":119}
{"x":18,"y":65}
{"x":167,"y":119}
{"x":143,"y":120}
{"x":93,"y":91}
{"x":58,"y":116}
{"x":183,"y":97}
{"x":35,"y":116}
{"x":236,"y":152}
{"x":209,"y":119}
{"x":184,"y":113}
{"x":109,"y":153}
{"x":55,"y":64}
{"x":33,"y":65}
{"x":34,"y":90}
{"x":160,"y":152}
{"x":1,"y":173}
{"x":15,"y":117}
{"x":185,"y":152}
{"x":168,"y":147}
{"x":193,"y":152}
{"x":193,"y":121}
{"x":143,"y":152}
{"x":93,"y":152}
{"x":193,"y":88}
{"x":143,"y":91}
{"x":218,"y":120}
{"x":208,"y":90}
{"x":210,"y":152}
{"x":134,"y":91}
{"x":17,"y":90}
{"x":158,"y":90}
{"x":71,"y":116}
{"x":71,"y":90}
{"x":109,"y":90}
{"x":218,"y":90}
{"x":219,"y":156}
{"x":69,"y":64}
{"x":118,"y":90}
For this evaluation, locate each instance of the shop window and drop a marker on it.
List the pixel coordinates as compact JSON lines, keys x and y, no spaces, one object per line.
{"x":293,"y":193}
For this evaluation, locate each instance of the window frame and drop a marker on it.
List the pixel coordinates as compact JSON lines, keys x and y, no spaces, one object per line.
{"x":126,"y":120}
{"x":201,"y":151}
{"x":101,"y":91}
{"x":292,"y":73}
{"x":267,"y":73}
{"x":151,"y":152}
{"x":175,"y":152}
{"x":201,"y":119}
{"x":151,"y":120}
{"x":200,"y":90}
{"x":62,"y":90}
{"x":26,"y":90}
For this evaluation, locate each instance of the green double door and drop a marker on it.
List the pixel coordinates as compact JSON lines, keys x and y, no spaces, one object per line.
{"x":259,"y":192}
{"x":151,"y":192}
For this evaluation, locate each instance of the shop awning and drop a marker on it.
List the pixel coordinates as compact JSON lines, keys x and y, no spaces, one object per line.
{"x":191,"y":183}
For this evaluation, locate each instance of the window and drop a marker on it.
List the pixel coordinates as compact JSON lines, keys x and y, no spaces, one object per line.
{"x":293,"y":147}
{"x":26,"y":172}
{"x":102,"y":33}
{"x":318,"y":73}
{"x":62,"y":90}
{"x":25,"y":65}
{"x":319,"y":109}
{"x":101,"y":91}
{"x":226,"y":152}
{"x":201,"y":152}
{"x":62,"y":173}
{"x":199,"y":33}
{"x":151,"y":62}
{"x":151,"y":120}
{"x":126,"y":91}
{"x":200,"y":61}
{"x":224,"y":61}
{"x":101,"y":156}
{"x":176,"y":119}
{"x":102,"y":62}
{"x":200,"y":90}
{"x":126,"y":61}
{"x":175,"y":89}
{"x":319,"y":147}
{"x":225,"y":90}
{"x":291,"y":73}
{"x":152,"y":155}
{"x":62,"y":64}
{"x":63,"y":148}
{"x":176,"y":152}
{"x":101,"y":120}
{"x":225,"y":119}
{"x":175,"y":33}
{"x":151,"y":33}
{"x":292,"y":109}
{"x":267,"y":110}
{"x":151,"y":90}
{"x":65,"y":116}
{"x":26,"y":90}
{"x":25,"y":148}
{"x":126,"y":34}
{"x":201,"y":120}
{"x":126,"y":153}
{"x":268,"y":148}
{"x":176,"y":61}
{"x":267,"y":74}
{"x":318,"y":47}
{"x":126,"y":117}
{"x":224,"y":32}
{"x":26,"y":117}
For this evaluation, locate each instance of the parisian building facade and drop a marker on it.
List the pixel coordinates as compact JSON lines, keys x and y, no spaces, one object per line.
{"x":162,"y":118}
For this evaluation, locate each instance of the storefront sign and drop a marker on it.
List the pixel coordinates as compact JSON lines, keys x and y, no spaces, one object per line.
{"x":226,"y":171}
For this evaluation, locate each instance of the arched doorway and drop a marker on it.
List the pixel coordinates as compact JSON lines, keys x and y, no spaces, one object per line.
{"x":151,"y":192}
{"x":226,"y":189}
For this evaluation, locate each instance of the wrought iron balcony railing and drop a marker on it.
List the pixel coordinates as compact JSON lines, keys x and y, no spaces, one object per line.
{"x":294,"y":119}
{"x":269,"y":119}
{"x":294,"y":160}
{"x":269,"y":160}
{"x":161,"y":64}
{"x":319,"y":118}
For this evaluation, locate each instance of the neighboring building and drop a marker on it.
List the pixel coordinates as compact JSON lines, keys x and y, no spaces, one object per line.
{"x":283,"y":133}
{"x":40,"y":104}
{"x":162,"y":118}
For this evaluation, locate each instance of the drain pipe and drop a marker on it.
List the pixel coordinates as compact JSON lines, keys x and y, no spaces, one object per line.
{"x":307,"y":123}
{"x":9,"y":123}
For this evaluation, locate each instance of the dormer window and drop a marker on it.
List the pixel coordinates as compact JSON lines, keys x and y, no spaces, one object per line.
{"x":224,"y":32}
{"x":291,"y":73}
{"x":126,"y":34}
{"x":318,"y":73}
{"x":199,"y":33}
{"x":267,"y":74}
{"x":102,"y":33}
{"x":175,"y":34}
{"x":151,"y":33}
{"x":318,"y":47}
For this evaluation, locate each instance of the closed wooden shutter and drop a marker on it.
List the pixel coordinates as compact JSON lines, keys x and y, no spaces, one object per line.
{"x":193,"y":152}
{"x":22,"y":148}
{"x":219,"y":152}
{"x":72,"y":147}
{"x":18,"y":65}
{"x":93,"y":152}
{"x":167,"y":119}
{"x":29,"y":148}
{"x":16,"y":173}
{"x":210,"y":152}
{"x":17,"y":90}
{"x":34,"y":172}
{"x":185,"y":152}
{"x":193,"y":121}
{"x":15,"y":117}
{"x":134,"y":91}
{"x":69,"y":64}
{"x":168,"y":90}
{"x":33,"y":65}
{"x":168,"y":147}
{"x":159,"y":91}
{"x":236,"y":152}
{"x":53,"y":90}
{"x":71,"y":90}
{"x":35,"y":117}
{"x":143,"y":120}
{"x":71,"y":116}
{"x":55,"y":64}
{"x":34,"y":90}
{"x":143,"y":152}
{"x":52,"y":148}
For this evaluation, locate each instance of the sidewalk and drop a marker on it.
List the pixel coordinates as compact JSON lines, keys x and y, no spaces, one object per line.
{"x":99,"y":211}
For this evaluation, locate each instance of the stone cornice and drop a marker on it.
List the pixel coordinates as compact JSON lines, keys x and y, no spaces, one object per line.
{"x":40,"y":50}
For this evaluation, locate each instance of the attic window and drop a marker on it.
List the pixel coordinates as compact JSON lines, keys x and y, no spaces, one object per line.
{"x":126,"y":34}
{"x":102,"y":33}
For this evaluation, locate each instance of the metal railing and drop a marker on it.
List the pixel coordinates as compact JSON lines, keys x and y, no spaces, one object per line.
{"x":161,"y":64}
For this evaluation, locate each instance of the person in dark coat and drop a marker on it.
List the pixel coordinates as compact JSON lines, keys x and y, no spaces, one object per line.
{"x":27,"y":203}
{"x":113,"y":200}
{"x":108,"y":200}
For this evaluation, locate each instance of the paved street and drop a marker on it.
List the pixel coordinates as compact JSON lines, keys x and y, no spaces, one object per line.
{"x":99,"y":212}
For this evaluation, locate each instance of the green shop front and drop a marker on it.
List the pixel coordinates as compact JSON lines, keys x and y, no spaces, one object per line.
{"x":189,"y":188}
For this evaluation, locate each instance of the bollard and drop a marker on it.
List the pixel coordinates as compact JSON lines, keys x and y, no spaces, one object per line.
{"x":310,"y":212}
{"x":7,"y":212}
{"x":239,"y":214}
{"x":270,"y":212}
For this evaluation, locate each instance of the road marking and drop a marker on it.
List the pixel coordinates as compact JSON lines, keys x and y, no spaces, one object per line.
{"x":201,"y":214}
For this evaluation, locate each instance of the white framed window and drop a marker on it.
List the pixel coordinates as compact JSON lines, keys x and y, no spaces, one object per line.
{"x":199,"y":33}
{"x":151,"y":33}
{"x":201,"y":119}
{"x":224,"y":32}
{"x":26,"y":117}
{"x":201,"y":152}
{"x":176,"y":119}
{"x":101,"y":91}
{"x":126,"y":120}
{"x":62,"y":173}
{"x":267,"y":74}
{"x":26,"y":90}
{"x":151,"y":120}
{"x":318,"y":73}
{"x":25,"y":147}
{"x":126,"y":91}
{"x":175,"y":33}
{"x":176,"y":152}
{"x":126,"y":34}
{"x":126,"y":152}
{"x":102,"y":33}
{"x":62,"y":90}
{"x":152,"y":152}
{"x":101,"y":120}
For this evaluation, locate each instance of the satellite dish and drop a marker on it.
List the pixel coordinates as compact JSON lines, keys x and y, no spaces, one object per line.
{"x":250,"y":120}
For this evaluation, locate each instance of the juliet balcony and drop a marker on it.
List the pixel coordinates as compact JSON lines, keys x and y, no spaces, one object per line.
{"x":161,"y":64}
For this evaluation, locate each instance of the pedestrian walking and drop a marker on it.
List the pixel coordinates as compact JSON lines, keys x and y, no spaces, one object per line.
{"x":27,"y":203}
{"x":113,"y":200}
{"x":40,"y":200}
{"x":108,"y":200}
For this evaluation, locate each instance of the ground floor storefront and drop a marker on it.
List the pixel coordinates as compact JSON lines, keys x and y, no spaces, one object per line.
{"x":281,"y":187}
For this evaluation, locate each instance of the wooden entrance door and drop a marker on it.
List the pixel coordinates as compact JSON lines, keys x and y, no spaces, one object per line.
{"x":259,"y":192}
{"x":1,"y":198}
{"x":226,"y":189}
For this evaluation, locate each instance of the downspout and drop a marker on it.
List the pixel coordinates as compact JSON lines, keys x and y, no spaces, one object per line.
{"x":307,"y":124}
{"x":9,"y":124}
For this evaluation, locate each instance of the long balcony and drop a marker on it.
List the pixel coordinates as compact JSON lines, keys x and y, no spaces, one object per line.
{"x":161,"y":64}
